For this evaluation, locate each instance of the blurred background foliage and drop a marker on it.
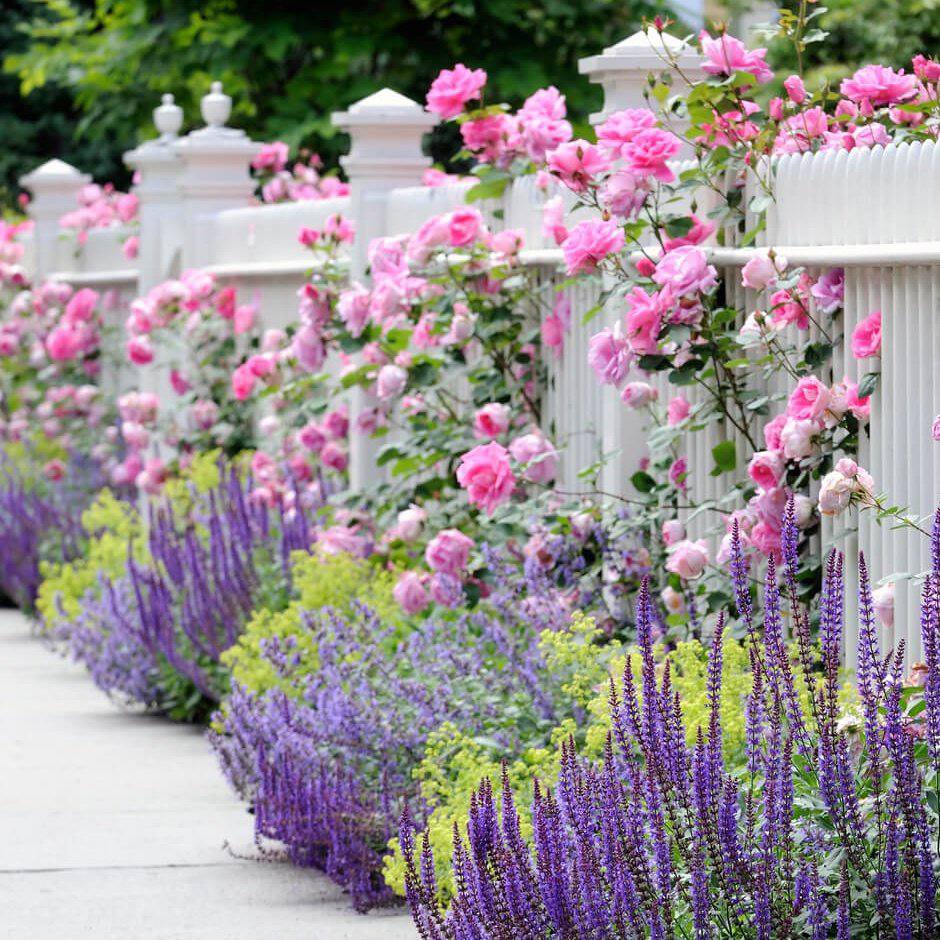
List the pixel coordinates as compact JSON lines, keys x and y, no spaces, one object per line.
{"x":81,"y":77}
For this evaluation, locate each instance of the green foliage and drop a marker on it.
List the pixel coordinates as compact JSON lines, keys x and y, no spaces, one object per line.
{"x":286,"y":65}
{"x":336,"y":581}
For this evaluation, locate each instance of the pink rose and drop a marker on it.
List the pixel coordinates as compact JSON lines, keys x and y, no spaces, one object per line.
{"x":491,"y":420}
{"x":772,"y":431}
{"x":796,"y":90}
{"x":410,"y":593}
{"x":829,"y":290}
{"x":638,"y":394}
{"x":649,"y":152}
{"x":686,"y":271}
{"x":336,"y":422}
{"x":464,"y":227}
{"x":623,"y":194}
{"x":935,"y":429}
{"x":391,"y":382}
{"x":453,"y":88}
{"x":140,"y":350}
{"x":725,"y":55}
{"x":688,"y":559}
{"x":808,"y":399}
{"x":64,"y":343}
{"x":486,"y":475}
{"x":835,"y":493}
{"x":577,"y":163}
{"x":766,"y":468}
{"x":644,"y":317}
{"x":866,"y":337}
{"x":879,"y":85}
{"x":539,"y":456}
{"x":673,"y":531}
{"x":796,"y":438}
{"x":81,"y":308}
{"x":883,"y":601}
{"x":622,"y":126}
{"x":761,"y":271}
{"x":312,"y":438}
{"x":677,"y":410}
{"x":334,"y":456}
{"x":589,"y":243}
{"x":553,"y":220}
{"x":448,"y":551}
{"x":409,"y":524}
{"x":609,"y":356}
{"x":205,"y":413}
{"x":243,"y":382}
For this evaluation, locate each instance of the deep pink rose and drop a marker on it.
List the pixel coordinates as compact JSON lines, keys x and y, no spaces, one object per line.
{"x":808,"y":399}
{"x":649,"y":152}
{"x":609,"y":356}
{"x":140,"y":350}
{"x":622,"y":126}
{"x":879,"y":85}
{"x":81,"y":308}
{"x":796,"y":90}
{"x":453,"y":88}
{"x":725,"y":55}
{"x":464,"y":226}
{"x":589,"y":243}
{"x":577,"y":163}
{"x":486,"y":475}
{"x":64,"y":343}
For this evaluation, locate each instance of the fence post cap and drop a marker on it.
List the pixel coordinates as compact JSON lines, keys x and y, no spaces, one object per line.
{"x":646,"y":50}
{"x":384,"y":107}
{"x":215,"y":107}
{"x":168,"y":118}
{"x":55,"y":174}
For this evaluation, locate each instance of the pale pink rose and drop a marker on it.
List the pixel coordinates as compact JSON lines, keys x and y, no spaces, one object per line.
{"x":673,"y":531}
{"x":508,"y":242}
{"x":796,"y":438}
{"x":553,"y":220}
{"x":673,"y":601}
{"x":878,"y":85}
{"x":577,"y":163}
{"x":685,"y":270}
{"x":410,"y":593}
{"x":448,"y":551}
{"x":135,"y":435}
{"x":725,"y":55}
{"x":391,"y":382}
{"x":140,"y":350}
{"x":809,"y":399}
{"x":766,"y":468}
{"x":446,"y":590}
{"x":244,"y":318}
{"x":687,"y":559}
{"x":765,"y":538}
{"x":453,"y":88}
{"x":205,"y":413}
{"x":537,"y":454}
{"x":835,"y":493}
{"x":866,"y":337}
{"x":339,"y":538}
{"x":464,"y":227}
{"x":609,"y":356}
{"x":589,"y":243}
{"x":648,"y":153}
{"x":883,"y":599}
{"x":623,"y":194}
{"x":638,"y":394}
{"x":485,"y":473}
{"x":491,"y":421}
{"x":410,"y":522}
{"x":762,"y":271}
{"x":677,"y":410}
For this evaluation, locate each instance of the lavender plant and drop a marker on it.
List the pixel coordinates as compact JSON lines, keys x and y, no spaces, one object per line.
{"x":827,"y":831}
{"x":327,"y":758}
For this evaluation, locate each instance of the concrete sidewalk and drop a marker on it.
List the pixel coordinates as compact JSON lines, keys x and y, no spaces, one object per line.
{"x":113,"y":826}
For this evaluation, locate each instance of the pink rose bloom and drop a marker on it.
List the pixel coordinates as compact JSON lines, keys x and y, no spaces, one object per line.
{"x":879,"y":85}
{"x":340,"y":228}
{"x":866,"y":337}
{"x":725,"y":55}
{"x":649,"y":152}
{"x":179,"y":382}
{"x":271,"y":157}
{"x":244,"y":318}
{"x":835,"y":493}
{"x":553,"y":220}
{"x":686,"y":271}
{"x":464,"y":227}
{"x":353,"y":308}
{"x":486,"y":475}
{"x":766,"y":539}
{"x":796,"y":438}
{"x":701,"y":230}
{"x":796,"y":90}
{"x":883,"y":602}
{"x":772,"y":431}
{"x":673,"y":531}
{"x":589,"y":243}
{"x":446,"y":590}
{"x":766,"y":468}
{"x":638,"y":394}
{"x":786,"y":307}
{"x":204,"y":413}
{"x":829,"y":290}
{"x":140,"y":350}
{"x":623,"y":194}
{"x":679,"y":474}
{"x":409,"y":524}
{"x":334,"y":456}
{"x":539,"y":456}
{"x":453,"y":88}
{"x":312,"y":438}
{"x":491,"y":420}
{"x":81,"y":308}
{"x":553,"y":333}
{"x":448,"y":551}
{"x":677,"y":410}
{"x":761,"y":271}
{"x":622,"y":126}
{"x":410,"y":593}
{"x":54,"y":470}
{"x":688,"y":559}
{"x":609,"y":356}
{"x":63,"y":343}
{"x":336,"y":422}
{"x":339,"y":538}
{"x":644,"y":317}
{"x":488,"y":136}
{"x":808,"y":399}
{"x":576,"y":163}
{"x":243,"y":382}
{"x":391,"y":382}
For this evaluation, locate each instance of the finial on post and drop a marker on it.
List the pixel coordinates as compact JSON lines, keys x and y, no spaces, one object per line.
{"x":168,"y":118}
{"x":215,"y":107}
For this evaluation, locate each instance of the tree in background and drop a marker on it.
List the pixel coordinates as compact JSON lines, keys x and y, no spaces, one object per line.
{"x":102,"y":64}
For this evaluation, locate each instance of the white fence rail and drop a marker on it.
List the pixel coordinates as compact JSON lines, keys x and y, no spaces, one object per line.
{"x":874,"y":212}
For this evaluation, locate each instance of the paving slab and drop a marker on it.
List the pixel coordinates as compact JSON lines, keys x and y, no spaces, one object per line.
{"x":119,"y":826}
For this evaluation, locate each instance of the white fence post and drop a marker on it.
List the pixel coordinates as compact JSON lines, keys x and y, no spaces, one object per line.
{"x":386,"y":129}
{"x":624,"y":71}
{"x":215,"y":174}
{"x":55,"y":186}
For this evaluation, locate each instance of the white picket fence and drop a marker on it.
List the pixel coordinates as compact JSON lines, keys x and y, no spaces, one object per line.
{"x":874,"y":212}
